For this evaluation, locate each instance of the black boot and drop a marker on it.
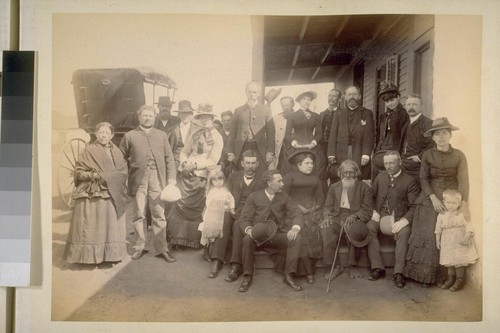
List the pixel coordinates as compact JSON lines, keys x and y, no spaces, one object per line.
{"x":215,"y":268}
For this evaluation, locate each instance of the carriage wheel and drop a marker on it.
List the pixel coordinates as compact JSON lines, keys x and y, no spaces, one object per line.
{"x":68,"y":157}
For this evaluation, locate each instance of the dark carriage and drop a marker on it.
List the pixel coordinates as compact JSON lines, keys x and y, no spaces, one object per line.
{"x":113,"y":95}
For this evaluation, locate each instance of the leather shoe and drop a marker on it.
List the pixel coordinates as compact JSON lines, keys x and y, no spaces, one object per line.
{"x":168,"y":257}
{"x":291,"y":282}
{"x":399,"y":280}
{"x":376,"y":274}
{"x":459,"y":283}
{"x":215,"y":268}
{"x":234,"y":273}
{"x":310,"y":278}
{"x":247,"y":282}
{"x":137,"y":254}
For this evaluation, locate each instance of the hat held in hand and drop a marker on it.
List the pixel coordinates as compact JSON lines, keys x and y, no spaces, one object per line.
{"x":263,"y":231}
{"x":170,"y":193}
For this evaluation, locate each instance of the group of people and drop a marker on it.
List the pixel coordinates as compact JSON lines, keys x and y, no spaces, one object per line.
{"x":292,"y":184}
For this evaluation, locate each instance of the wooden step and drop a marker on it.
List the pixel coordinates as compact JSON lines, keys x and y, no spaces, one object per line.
{"x":387,"y":247}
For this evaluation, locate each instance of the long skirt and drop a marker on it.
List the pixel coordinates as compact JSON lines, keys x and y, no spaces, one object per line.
{"x":186,"y":214}
{"x":422,"y":258}
{"x":95,"y":233}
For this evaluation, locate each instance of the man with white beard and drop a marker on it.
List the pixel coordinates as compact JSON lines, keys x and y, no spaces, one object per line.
{"x":348,"y":201}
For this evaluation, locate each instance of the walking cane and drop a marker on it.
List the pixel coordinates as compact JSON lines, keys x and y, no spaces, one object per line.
{"x":334,"y":259}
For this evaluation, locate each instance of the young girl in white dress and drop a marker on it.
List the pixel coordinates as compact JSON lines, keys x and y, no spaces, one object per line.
{"x":454,"y":239}
{"x":219,"y":200}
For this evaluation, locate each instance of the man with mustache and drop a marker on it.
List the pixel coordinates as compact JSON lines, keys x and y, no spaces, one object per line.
{"x":151,"y":163}
{"x":348,"y":200}
{"x":414,"y":142}
{"x":165,"y":121}
{"x":272,"y":209}
{"x":326,"y":118}
{"x":353,"y":134}
{"x":394,"y":192}
{"x":252,"y":128}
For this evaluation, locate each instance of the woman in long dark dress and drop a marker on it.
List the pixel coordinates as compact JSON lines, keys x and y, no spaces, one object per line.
{"x":303,"y":131}
{"x":97,"y":231}
{"x":201,"y":152}
{"x":442,"y":168}
{"x":306,"y":190}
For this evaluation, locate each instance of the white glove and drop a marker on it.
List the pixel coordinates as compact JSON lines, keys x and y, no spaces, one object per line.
{"x":397,"y":226}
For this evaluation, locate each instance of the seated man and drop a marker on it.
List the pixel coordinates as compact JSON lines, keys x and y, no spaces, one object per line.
{"x":271,"y":204}
{"x":348,"y":200}
{"x":394,"y":192}
{"x":241,"y":184}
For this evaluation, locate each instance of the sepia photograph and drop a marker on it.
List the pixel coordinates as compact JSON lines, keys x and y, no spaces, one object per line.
{"x":251,"y":168}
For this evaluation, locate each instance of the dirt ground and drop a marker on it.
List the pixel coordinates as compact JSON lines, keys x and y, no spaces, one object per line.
{"x":152,"y":290}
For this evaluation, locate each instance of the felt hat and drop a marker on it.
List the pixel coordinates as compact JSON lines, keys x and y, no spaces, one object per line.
{"x":165,"y":100}
{"x":204,"y":109}
{"x":378,"y":160}
{"x":311,"y":93}
{"x":170,"y":193}
{"x":185,"y":107}
{"x":386,"y":224}
{"x":263,"y":231}
{"x":438,"y":124}
{"x":272,"y":94}
{"x":300,"y":151}
{"x":333,"y":170}
{"x":387,"y":87}
{"x":358,"y":233}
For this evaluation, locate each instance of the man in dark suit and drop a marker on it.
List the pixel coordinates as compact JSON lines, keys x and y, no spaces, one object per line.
{"x":226,"y":118}
{"x":414,"y":142}
{"x":252,"y":128}
{"x":347,"y":200}
{"x":390,"y":124}
{"x":151,"y":163}
{"x":394,"y":192}
{"x":271,"y":204}
{"x":326,"y":119}
{"x":165,"y":121}
{"x":353,"y":133}
{"x":241,"y":184}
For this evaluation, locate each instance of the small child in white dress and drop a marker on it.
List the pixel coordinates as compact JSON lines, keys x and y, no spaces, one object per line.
{"x":218,"y":201}
{"x":454,"y":239}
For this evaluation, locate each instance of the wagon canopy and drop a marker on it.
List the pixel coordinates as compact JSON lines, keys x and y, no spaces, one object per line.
{"x":114,"y":95}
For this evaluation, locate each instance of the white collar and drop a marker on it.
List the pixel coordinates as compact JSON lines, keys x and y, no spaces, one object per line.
{"x":415,"y":118}
{"x":396,"y":174}
{"x":147,"y":130}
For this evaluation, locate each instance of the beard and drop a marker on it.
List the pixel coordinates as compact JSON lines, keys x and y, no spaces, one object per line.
{"x":348,"y":183}
{"x":353,"y":103}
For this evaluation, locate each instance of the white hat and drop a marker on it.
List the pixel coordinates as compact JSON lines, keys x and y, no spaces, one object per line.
{"x":170,"y":193}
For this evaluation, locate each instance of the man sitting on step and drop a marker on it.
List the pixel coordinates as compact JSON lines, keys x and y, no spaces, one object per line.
{"x":394,"y":195}
{"x":270,"y":220}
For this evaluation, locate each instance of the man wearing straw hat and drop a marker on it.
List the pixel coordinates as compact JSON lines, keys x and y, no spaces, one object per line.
{"x":394,"y":195}
{"x":179,"y":134}
{"x":165,"y":121}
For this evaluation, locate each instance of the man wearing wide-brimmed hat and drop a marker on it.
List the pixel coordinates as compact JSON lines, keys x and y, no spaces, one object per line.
{"x":348,"y":200}
{"x":165,"y":121}
{"x":353,"y":133}
{"x":280,"y":161}
{"x":390,"y":124}
{"x":272,"y":204}
{"x":394,"y":194}
{"x":252,"y":128}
